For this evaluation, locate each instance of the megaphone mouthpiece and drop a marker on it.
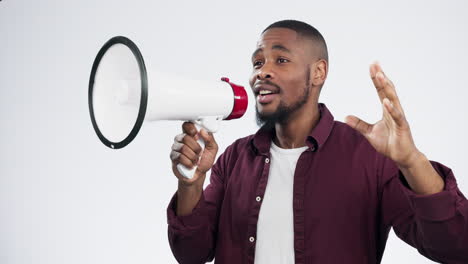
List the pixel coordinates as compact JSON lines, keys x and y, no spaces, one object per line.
{"x":241,"y":100}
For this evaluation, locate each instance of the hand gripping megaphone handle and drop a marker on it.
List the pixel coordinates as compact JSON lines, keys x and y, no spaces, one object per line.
{"x":210,"y":124}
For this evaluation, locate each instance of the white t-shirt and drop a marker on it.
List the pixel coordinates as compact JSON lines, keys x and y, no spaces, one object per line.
{"x":275,"y":227}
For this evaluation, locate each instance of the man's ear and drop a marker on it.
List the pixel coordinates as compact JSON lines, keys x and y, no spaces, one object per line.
{"x":319,"y":72}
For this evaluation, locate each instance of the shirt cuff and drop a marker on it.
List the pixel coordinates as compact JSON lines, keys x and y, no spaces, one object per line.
{"x":191,"y":221}
{"x":434,"y":207}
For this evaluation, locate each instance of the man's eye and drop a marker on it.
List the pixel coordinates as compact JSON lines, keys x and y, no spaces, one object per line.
{"x":257,"y":64}
{"x":282,"y":60}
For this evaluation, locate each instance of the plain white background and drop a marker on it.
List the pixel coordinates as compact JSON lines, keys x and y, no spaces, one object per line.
{"x":66,"y":198}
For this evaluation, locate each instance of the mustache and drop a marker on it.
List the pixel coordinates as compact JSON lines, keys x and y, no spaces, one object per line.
{"x":267,"y":82}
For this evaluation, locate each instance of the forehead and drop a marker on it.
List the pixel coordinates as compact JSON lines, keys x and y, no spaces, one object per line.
{"x":283,"y":36}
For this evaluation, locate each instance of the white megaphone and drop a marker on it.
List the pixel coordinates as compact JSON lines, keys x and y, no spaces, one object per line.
{"x":119,"y":99}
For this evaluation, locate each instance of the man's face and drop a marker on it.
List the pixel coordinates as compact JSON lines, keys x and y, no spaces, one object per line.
{"x":281,"y":74}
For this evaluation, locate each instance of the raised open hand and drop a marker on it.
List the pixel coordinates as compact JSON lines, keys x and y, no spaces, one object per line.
{"x":391,"y":136}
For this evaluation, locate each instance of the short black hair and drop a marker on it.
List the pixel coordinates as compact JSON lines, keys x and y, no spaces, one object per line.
{"x":305,"y":30}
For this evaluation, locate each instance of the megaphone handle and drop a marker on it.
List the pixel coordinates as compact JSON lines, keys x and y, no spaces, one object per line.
{"x":186,"y":172}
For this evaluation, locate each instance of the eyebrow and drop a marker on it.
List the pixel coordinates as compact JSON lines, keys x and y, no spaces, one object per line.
{"x":281,"y":48}
{"x":275,"y":47}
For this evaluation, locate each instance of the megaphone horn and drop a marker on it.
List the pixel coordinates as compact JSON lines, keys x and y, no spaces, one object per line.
{"x":122,"y":96}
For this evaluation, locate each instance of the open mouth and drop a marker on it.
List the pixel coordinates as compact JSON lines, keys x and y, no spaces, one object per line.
{"x":265,"y":96}
{"x":264,"y":92}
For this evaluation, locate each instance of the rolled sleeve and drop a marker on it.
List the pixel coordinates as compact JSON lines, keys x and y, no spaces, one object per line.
{"x":191,"y":237}
{"x":435,"y":224}
{"x":435,"y":207}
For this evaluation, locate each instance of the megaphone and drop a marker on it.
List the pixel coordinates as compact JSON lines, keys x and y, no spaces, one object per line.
{"x":123,"y":95}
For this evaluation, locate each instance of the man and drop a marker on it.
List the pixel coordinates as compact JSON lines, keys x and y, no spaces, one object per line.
{"x":306,"y":188}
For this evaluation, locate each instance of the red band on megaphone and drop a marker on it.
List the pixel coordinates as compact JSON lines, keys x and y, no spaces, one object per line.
{"x":240,"y":100}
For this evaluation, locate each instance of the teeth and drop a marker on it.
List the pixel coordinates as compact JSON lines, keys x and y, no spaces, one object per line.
{"x":262,"y":92}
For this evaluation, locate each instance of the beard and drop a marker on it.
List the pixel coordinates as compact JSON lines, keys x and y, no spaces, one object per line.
{"x":283,"y":112}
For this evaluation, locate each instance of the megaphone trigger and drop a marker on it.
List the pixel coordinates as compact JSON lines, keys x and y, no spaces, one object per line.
{"x":210,"y":124}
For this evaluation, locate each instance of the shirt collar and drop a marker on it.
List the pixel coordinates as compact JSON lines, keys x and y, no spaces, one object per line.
{"x":318,"y":136}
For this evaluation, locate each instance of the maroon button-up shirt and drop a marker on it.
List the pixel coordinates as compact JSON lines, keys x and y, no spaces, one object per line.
{"x":346,"y":198}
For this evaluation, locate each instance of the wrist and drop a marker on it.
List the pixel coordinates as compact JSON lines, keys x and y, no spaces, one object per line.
{"x":414,"y":160}
{"x":187,"y":198}
{"x":195,"y":182}
{"x":421,"y":176}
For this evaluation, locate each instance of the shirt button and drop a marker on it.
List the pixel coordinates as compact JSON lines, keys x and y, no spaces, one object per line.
{"x":258,"y":199}
{"x":252,"y":239}
{"x":267,"y":160}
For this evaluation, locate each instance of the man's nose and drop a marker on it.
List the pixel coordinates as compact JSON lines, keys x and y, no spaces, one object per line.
{"x":265,"y":73}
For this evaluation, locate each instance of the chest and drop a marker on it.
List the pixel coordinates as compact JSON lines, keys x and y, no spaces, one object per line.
{"x":325,"y":188}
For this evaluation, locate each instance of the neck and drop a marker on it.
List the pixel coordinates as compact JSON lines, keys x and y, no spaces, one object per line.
{"x":293,"y":133}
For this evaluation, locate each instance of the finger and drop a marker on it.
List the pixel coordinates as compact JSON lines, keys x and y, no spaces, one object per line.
{"x":178,"y":157}
{"x":189,"y":128}
{"x":184,"y":139}
{"x":210,"y":142}
{"x":388,"y":87}
{"x":190,"y":154}
{"x":174,"y":155}
{"x":192,"y":143}
{"x":361,"y":126}
{"x":185,"y":150}
{"x":374,"y":69}
{"x":179,"y":137}
{"x":394,"y":112}
{"x":384,"y":86}
{"x":177,"y":146}
{"x":184,"y":160}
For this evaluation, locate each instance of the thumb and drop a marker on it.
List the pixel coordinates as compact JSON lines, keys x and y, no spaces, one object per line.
{"x":361,"y":126}
{"x":210,"y":143}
